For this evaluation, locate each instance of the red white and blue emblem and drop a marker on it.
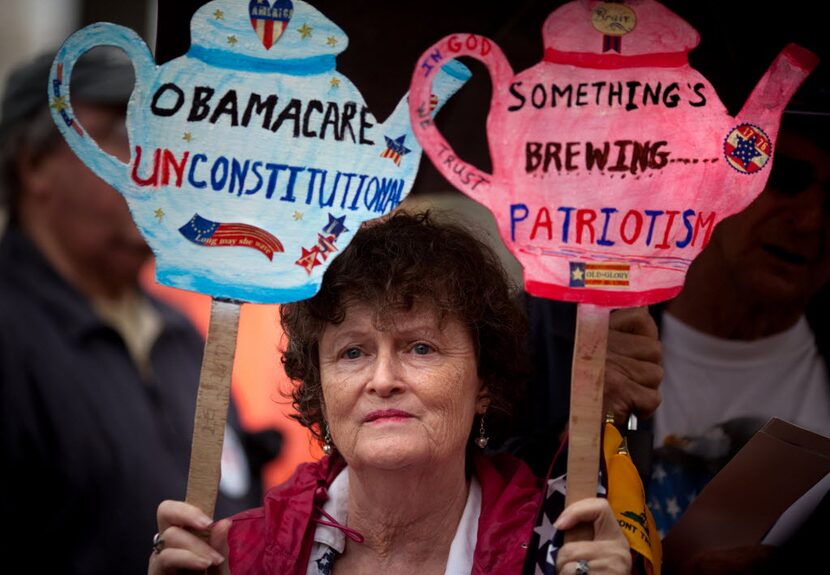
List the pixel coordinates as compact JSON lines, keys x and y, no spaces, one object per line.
{"x":395,"y":149}
{"x":325,"y":246}
{"x":270,"y":20}
{"x":747,"y":148}
{"x":204,"y":232}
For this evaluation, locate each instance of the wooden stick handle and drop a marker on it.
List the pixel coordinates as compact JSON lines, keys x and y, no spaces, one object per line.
{"x":585,"y":420}
{"x":212,"y":406}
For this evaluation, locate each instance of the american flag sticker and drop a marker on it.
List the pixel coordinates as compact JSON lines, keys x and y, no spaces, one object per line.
{"x":395,"y":149}
{"x":600,"y":275}
{"x":270,"y":20}
{"x":205,"y":232}
{"x":747,"y":148}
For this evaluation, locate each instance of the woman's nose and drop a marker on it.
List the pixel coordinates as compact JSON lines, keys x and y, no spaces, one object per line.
{"x":386,"y":377}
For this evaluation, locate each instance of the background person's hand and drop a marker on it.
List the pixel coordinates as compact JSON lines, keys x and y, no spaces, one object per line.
{"x":633,"y":365}
{"x":182,"y":548}
{"x":608,"y":553}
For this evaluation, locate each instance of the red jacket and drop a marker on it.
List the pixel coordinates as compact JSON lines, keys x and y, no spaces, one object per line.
{"x":276,"y":539}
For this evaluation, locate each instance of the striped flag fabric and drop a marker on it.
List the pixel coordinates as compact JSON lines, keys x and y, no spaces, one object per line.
{"x":606,"y":275}
{"x":620,"y":482}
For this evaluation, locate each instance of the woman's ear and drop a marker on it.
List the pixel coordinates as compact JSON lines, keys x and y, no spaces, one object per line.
{"x":483,"y":399}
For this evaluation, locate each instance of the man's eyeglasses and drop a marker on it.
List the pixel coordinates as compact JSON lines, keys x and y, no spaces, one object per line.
{"x":791,"y":176}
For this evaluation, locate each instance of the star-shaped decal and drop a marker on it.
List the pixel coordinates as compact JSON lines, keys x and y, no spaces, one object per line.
{"x":331,"y":41}
{"x":219,"y":15}
{"x":232,"y":40}
{"x":159,"y":213}
{"x":577,"y":274}
{"x":336,"y":226}
{"x":395,"y":149}
{"x":335,"y":83}
{"x":745,"y":151}
{"x":396,"y":145}
{"x":304,"y":30}
{"x":309,"y":260}
{"x":187,"y":136}
{"x":59,"y":103}
{"x":297,"y":216}
{"x":325,"y":245}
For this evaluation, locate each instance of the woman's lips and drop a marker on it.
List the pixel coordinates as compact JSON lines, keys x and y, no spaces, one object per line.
{"x":386,"y":414}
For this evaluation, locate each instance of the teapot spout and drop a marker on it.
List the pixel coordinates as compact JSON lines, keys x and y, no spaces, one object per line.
{"x":449,"y":79}
{"x":773,"y":92}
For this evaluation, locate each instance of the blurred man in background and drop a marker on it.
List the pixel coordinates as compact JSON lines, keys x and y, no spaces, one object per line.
{"x":98,"y":380}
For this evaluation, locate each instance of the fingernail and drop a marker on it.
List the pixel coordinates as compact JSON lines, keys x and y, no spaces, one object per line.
{"x":204,"y":521}
{"x":217,"y":559}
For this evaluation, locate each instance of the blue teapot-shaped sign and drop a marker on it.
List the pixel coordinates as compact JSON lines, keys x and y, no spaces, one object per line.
{"x":251,"y":144}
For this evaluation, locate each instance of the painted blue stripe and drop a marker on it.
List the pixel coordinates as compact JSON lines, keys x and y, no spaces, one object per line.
{"x":231,"y":290}
{"x":457,"y":70}
{"x":235,"y":61}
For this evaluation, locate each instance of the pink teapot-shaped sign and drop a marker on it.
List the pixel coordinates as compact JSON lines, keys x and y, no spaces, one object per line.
{"x":613,"y":159}
{"x":253,"y":160}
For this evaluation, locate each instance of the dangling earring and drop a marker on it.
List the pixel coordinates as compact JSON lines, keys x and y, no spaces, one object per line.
{"x":327,"y":446}
{"x":482,"y":439}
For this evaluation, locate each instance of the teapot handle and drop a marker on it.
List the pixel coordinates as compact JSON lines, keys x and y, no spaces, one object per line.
{"x":104,"y":165}
{"x":466,"y":177}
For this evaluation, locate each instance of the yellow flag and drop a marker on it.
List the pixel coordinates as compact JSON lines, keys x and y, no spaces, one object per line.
{"x":627,"y":498}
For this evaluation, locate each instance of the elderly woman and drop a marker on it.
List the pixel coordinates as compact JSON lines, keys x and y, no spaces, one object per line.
{"x":407,"y":361}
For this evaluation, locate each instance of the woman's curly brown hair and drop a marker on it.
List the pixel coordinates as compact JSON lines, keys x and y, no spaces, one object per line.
{"x":393,"y":264}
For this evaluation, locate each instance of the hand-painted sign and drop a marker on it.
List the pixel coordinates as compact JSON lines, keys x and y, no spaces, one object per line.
{"x":613,"y":159}
{"x":252,"y":145}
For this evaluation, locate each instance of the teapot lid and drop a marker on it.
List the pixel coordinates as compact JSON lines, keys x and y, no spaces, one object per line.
{"x":284,"y":36}
{"x":635,"y":32}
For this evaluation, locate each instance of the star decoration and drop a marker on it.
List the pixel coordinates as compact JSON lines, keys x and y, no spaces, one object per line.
{"x":309,"y":259}
{"x":556,"y":485}
{"x":58,"y":103}
{"x":545,"y":531}
{"x":336,"y":226}
{"x":232,"y":40}
{"x":304,"y":30}
{"x":331,"y":41}
{"x":335,"y":83}
{"x":577,"y":274}
{"x":297,"y":216}
{"x":219,"y":15}
{"x":745,"y":151}
{"x":159,"y":213}
{"x":397,"y":145}
{"x":325,"y":245}
{"x":187,"y":136}
{"x":672,"y":508}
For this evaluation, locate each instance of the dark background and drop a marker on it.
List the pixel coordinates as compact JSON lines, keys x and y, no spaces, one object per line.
{"x":739,"y":40}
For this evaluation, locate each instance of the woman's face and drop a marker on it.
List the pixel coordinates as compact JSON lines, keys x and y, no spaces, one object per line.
{"x":402,"y":393}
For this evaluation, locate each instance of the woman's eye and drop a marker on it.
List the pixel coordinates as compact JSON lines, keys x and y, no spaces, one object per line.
{"x":421,"y":349}
{"x":352,"y":353}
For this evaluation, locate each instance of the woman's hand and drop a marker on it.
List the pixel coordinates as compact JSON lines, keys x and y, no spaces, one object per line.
{"x":633,"y":365}
{"x":607,"y":554}
{"x":182,"y":548}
